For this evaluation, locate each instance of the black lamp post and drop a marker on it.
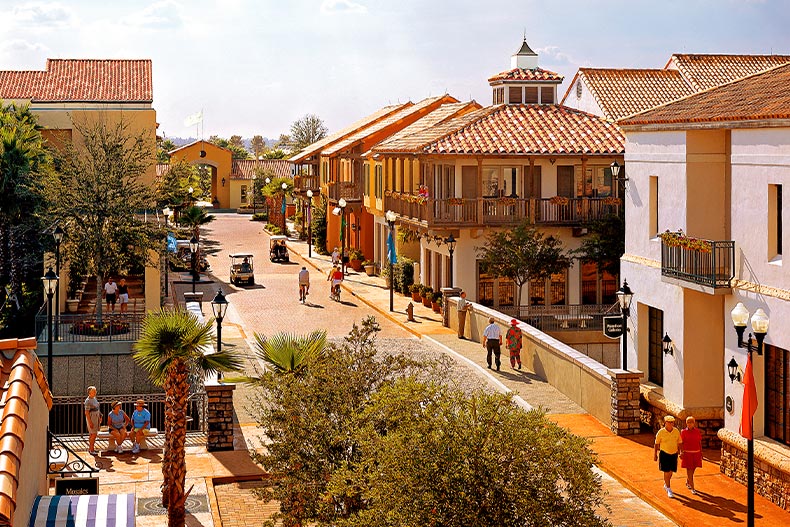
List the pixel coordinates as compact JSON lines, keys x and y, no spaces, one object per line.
{"x":193,"y":247}
{"x":167,"y":211}
{"x":309,"y":224}
{"x":50,"y":280}
{"x":219,"y":306}
{"x":57,"y":234}
{"x":284,"y":186}
{"x":740,"y":316}
{"x":390,"y":217}
{"x":342,"y":205}
{"x":624,"y":296}
{"x":451,"y":241}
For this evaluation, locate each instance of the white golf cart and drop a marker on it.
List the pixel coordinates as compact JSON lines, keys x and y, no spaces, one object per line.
{"x":241,"y":269}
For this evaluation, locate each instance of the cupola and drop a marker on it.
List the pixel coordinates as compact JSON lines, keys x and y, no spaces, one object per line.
{"x":525,"y":82}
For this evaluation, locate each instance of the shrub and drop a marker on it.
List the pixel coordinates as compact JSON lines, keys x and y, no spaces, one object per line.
{"x":415,"y":288}
{"x":260,"y":216}
{"x":319,"y":226}
{"x":274,"y":229}
{"x":356,"y":254}
{"x":404,"y":275}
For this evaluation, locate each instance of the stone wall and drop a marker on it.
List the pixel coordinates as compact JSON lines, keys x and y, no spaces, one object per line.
{"x":625,"y":402}
{"x":219,"y":416}
{"x":653,"y":409}
{"x":771,"y":469}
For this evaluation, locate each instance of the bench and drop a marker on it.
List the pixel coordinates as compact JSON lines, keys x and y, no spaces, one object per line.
{"x":104,"y":433}
{"x":564,"y":319}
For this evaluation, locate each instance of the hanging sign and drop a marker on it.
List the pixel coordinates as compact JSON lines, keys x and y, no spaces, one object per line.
{"x":613,"y":327}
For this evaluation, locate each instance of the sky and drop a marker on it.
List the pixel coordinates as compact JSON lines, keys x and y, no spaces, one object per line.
{"x":255,"y":66}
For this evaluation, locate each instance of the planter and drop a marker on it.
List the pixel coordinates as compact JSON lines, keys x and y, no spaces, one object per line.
{"x":437,"y":308}
{"x":370,"y":270}
{"x":355,"y":265}
{"x":426,"y":301}
{"x":72,"y":305}
{"x":416,"y":297}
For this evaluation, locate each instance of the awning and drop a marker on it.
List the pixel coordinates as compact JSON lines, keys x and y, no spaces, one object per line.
{"x":104,"y":510}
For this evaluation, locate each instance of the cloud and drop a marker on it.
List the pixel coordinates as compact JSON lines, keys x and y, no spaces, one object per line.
{"x":342,"y":6}
{"x":165,"y":14}
{"x":51,"y":14}
{"x":556,"y":56}
{"x":19,"y":45}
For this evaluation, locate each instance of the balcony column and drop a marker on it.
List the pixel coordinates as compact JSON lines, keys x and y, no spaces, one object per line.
{"x":479,"y":204}
{"x":584,"y":178}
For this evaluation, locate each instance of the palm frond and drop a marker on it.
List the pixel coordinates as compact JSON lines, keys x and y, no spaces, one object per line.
{"x":290,"y":353}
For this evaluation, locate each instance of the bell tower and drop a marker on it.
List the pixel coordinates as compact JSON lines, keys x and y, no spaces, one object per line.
{"x":525,"y":82}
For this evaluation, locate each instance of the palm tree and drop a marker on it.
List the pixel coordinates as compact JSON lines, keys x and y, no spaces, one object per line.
{"x":286,"y":353}
{"x":193,"y":217}
{"x":170,"y":346}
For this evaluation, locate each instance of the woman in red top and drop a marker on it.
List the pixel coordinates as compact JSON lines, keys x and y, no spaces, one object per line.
{"x":692,"y":451}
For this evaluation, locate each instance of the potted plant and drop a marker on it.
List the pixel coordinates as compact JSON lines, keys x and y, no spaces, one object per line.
{"x":427,"y":296}
{"x":415,"y":290}
{"x":74,"y":285}
{"x":436,"y":304}
{"x":355,"y":259}
{"x":370,"y":267}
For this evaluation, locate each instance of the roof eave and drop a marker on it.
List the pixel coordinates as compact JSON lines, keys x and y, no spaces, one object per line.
{"x":705,"y":125}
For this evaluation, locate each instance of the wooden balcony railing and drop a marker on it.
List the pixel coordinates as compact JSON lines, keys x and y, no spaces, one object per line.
{"x":348,"y":190}
{"x":704,"y":262}
{"x":501,"y":211}
{"x":305,"y":183}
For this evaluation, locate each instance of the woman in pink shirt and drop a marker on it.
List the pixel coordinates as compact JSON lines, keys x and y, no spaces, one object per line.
{"x":691,"y":458}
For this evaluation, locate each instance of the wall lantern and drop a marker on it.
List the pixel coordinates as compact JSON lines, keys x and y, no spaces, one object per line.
{"x":732,"y":370}
{"x":667,"y":345}
{"x":223,"y":182}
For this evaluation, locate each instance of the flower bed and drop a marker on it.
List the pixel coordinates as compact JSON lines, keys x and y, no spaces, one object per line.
{"x":95,"y":329}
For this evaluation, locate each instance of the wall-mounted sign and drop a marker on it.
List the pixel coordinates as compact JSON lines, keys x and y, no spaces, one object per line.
{"x":729,"y":404}
{"x":76,"y":486}
{"x":613,"y":327}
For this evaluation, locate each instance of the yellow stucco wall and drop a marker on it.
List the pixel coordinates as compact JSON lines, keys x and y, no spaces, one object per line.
{"x":222,"y":162}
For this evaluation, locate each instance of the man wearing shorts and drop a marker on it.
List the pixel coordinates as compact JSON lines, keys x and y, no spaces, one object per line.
{"x":304,"y":284}
{"x":668,"y":445}
{"x":141,"y":421}
{"x":123,"y":295}
{"x":110,"y":290}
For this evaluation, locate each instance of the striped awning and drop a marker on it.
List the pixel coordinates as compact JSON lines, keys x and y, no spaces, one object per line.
{"x":104,"y":510}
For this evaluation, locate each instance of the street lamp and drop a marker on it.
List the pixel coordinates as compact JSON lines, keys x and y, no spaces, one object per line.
{"x":284,"y":186}
{"x":390,"y":217}
{"x":342,"y":205}
{"x":309,"y":224}
{"x":168,"y":212}
{"x":740,"y":316}
{"x":624,"y":296}
{"x":193,"y":247}
{"x":255,"y":194}
{"x":219,"y":306}
{"x":57,"y":234}
{"x":50,"y":280}
{"x":451,"y":241}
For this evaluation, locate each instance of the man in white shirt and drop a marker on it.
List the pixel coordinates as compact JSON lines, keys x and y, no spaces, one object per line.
{"x":492,"y":342}
{"x":110,"y":293}
{"x":304,"y":284}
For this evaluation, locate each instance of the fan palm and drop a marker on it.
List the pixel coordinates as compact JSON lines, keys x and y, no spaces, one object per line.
{"x":170,"y":346}
{"x":289,"y":353}
{"x":194,"y":217}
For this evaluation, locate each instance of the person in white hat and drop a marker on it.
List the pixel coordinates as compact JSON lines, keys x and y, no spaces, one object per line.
{"x":668,"y":445}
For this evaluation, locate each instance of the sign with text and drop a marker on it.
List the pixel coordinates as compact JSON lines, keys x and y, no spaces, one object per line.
{"x":76,"y":486}
{"x":613,"y":327}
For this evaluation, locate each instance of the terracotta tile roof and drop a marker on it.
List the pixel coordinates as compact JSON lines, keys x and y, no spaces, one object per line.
{"x":524,"y":74}
{"x":245,"y":168}
{"x":622,"y":92}
{"x":762,"y":96}
{"x":705,"y":71}
{"x":78,"y":80}
{"x":432,"y":127}
{"x":425,"y":105}
{"x":350,"y":129}
{"x":21,"y":373}
{"x":533,"y":129}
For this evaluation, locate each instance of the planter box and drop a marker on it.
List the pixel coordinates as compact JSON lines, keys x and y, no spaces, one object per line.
{"x":355,"y":265}
{"x":426,"y":301}
{"x":416,"y":297}
{"x":436,"y":307}
{"x":370,"y":270}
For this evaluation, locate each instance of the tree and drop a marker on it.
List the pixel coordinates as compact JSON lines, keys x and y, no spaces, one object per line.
{"x":604,"y":244}
{"x":170,"y":347}
{"x":237,"y":149}
{"x":522,"y":254}
{"x":97,"y":190}
{"x":306,"y":131}
{"x":162,"y":149}
{"x":173,"y":189}
{"x":283,"y":143}
{"x":258,"y":145}
{"x":275,"y":153}
{"x":318,"y":225}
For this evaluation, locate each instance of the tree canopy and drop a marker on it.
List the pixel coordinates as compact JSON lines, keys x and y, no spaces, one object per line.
{"x":173,"y":189}
{"x":604,"y":243}
{"x":234,"y":145}
{"x":306,"y":131}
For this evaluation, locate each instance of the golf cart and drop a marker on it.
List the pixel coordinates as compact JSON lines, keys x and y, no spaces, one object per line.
{"x":278,"y":252}
{"x":241,"y":269}
{"x":182,"y":259}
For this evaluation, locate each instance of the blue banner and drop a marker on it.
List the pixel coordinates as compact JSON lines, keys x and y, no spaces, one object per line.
{"x":391,"y":255}
{"x":171,"y":242}
{"x":283,"y":209}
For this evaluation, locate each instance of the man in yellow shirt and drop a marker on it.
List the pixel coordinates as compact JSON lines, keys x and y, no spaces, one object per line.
{"x":668,"y":445}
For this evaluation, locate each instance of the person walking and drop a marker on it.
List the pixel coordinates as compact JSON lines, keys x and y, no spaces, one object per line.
{"x":668,"y":445}
{"x":110,"y":290}
{"x":141,"y":422}
{"x":513,"y":339}
{"x":463,"y":307}
{"x":93,"y":419}
{"x":335,"y":257}
{"x":123,"y":295}
{"x":304,"y":284}
{"x":691,"y":457}
{"x":117,"y":421}
{"x":492,"y":342}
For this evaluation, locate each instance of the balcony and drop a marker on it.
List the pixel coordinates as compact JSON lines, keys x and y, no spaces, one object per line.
{"x":348,"y":190}
{"x":304,"y":183}
{"x":706,"y":264}
{"x":461,"y":212}
{"x":565,"y":317}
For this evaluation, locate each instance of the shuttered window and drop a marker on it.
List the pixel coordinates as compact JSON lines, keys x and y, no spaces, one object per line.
{"x":777,"y":394}
{"x":655,"y":349}
{"x":547,"y":95}
{"x":514,"y":95}
{"x":531,"y":94}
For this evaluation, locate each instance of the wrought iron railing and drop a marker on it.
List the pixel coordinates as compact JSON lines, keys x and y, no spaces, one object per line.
{"x":708,"y":263}
{"x":570,"y":317}
{"x":86,"y":328}
{"x":67,"y":416}
{"x":63,"y":461}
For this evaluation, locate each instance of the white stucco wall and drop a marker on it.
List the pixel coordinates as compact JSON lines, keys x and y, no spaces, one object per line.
{"x":586,"y":102}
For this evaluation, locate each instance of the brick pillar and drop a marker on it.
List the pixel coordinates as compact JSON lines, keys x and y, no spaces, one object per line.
{"x":625,"y":401}
{"x":219,"y":416}
{"x":447,"y":292}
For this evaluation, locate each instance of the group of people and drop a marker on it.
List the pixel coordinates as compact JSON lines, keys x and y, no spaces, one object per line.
{"x":492,"y":337}
{"x":119,"y":423}
{"x":116,"y":292}
{"x":672,"y":444}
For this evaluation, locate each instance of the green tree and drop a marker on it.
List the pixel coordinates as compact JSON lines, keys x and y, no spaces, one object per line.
{"x":162,"y":149}
{"x":288,"y":353}
{"x":318,"y":224}
{"x":98,"y":191}
{"x":275,"y":153}
{"x":258,"y":145}
{"x":170,"y":347}
{"x":236,"y":140}
{"x":522,"y":254}
{"x":283,"y":143}
{"x":604,"y":243}
{"x":306,"y":131}
{"x":237,"y":150}
{"x":173,"y":189}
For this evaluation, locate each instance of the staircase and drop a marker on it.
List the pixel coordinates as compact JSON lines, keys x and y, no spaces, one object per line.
{"x":136,"y":297}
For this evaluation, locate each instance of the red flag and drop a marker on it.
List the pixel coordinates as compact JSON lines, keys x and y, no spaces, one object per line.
{"x":749,"y":401}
